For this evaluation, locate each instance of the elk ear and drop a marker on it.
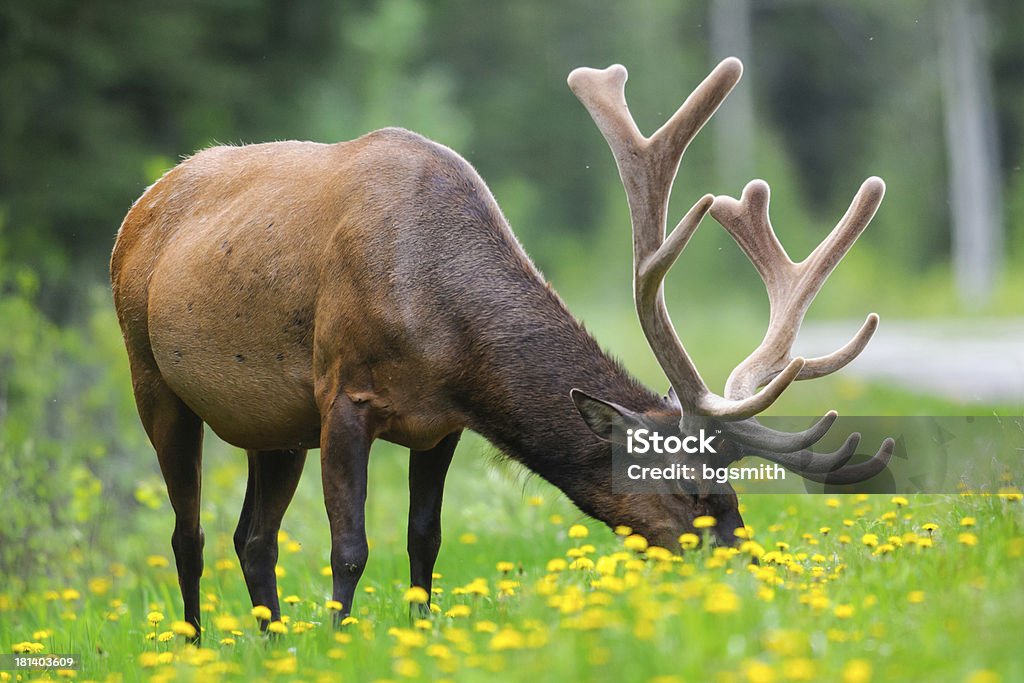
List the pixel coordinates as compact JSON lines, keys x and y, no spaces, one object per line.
{"x":607,"y":420}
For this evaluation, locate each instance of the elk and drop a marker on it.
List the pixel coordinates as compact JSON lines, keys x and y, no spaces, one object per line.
{"x":295,"y":295}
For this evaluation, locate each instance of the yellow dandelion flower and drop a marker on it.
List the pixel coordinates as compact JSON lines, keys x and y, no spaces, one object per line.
{"x":967,"y":538}
{"x":226,"y":622}
{"x":704,"y":522}
{"x":467,"y":539}
{"x":924,"y":543}
{"x":407,"y":668}
{"x":157,"y":561}
{"x":824,"y":530}
{"x":915,"y":597}
{"x":556,"y":565}
{"x":556,"y":519}
{"x":870,"y":540}
{"x":507,"y":639}
{"x":635,"y":542}
{"x":166,"y":636}
{"x":292,"y":599}
{"x":416,"y":595}
{"x":261,"y":612}
{"x":721,"y":600}
{"x":689,"y":541}
{"x":333,"y":606}
{"x":899,"y":501}
{"x":623,"y":530}
{"x":984,"y":676}
{"x":369,"y":590}
{"x":844,"y":611}
{"x":505,"y":566}
{"x":348,"y":621}
{"x":930,"y":527}
{"x":857,"y":671}
{"x":758,"y":672}
{"x":277,"y":627}
{"x":535,"y":501}
{"x":458,"y":611}
{"x":582,"y":563}
{"x":154,"y":617}
{"x":968,"y":521}
{"x":227,"y":641}
{"x":832,"y":502}
{"x":99,"y":585}
{"x":485,"y":627}
{"x":578,"y":531}
{"x":183,"y":628}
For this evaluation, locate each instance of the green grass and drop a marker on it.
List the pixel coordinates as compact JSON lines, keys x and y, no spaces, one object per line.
{"x":939,"y":613}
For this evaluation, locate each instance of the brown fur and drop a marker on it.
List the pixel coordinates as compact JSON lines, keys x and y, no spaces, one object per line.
{"x":261,"y":285}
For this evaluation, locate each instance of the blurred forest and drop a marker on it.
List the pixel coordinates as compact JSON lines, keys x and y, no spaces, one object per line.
{"x":99,"y":98}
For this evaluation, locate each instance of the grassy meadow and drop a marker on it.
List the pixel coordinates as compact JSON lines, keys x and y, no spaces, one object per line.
{"x":849,"y":588}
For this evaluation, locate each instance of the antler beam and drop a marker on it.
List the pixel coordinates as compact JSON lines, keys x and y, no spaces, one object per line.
{"x":648,"y":167}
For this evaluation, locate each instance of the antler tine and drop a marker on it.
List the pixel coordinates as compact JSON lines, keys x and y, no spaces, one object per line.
{"x":791,"y":286}
{"x":647,"y":167}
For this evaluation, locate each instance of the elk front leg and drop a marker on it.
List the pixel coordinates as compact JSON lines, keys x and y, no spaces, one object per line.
{"x":273,"y":476}
{"x":344,"y":452}
{"x":427,"y":470}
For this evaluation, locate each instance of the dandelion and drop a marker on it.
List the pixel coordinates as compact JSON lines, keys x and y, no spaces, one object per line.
{"x":824,"y":530}
{"x":332,"y":606}
{"x":930,"y":527}
{"x":507,"y":639}
{"x":721,"y":600}
{"x":416,"y":596}
{"x":535,"y":501}
{"x":870,"y":540}
{"x":505,"y":567}
{"x":166,"y":636}
{"x":635,"y":542}
{"x":689,"y":541}
{"x":984,"y":676}
{"x":369,"y":590}
{"x":857,"y":671}
{"x":277,"y":627}
{"x":348,"y":621}
{"x":154,"y":618}
{"x":967,"y":538}
{"x":183,"y":628}
{"x":704,"y":522}
{"x":157,"y":561}
{"x":458,"y":611}
{"x":467,"y":539}
{"x":915,"y":597}
{"x":582,"y":563}
{"x":292,"y":599}
{"x":485,"y":627}
{"x":261,"y":612}
{"x":968,"y":521}
{"x":844,"y":611}
{"x":556,"y":519}
{"x":226,"y":622}
{"x":759,"y":672}
{"x":578,"y":531}
{"x":326,"y":571}
{"x":832,"y":502}
{"x":556,"y":565}
{"x":900,"y":501}
{"x":407,"y":668}
{"x":623,"y":530}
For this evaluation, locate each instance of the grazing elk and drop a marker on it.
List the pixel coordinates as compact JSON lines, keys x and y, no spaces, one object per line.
{"x":295,"y":295}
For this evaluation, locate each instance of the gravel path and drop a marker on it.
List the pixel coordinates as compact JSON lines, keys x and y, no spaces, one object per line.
{"x":967,"y":360}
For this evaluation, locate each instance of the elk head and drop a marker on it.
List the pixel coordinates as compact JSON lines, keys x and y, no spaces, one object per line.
{"x":647,"y":167}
